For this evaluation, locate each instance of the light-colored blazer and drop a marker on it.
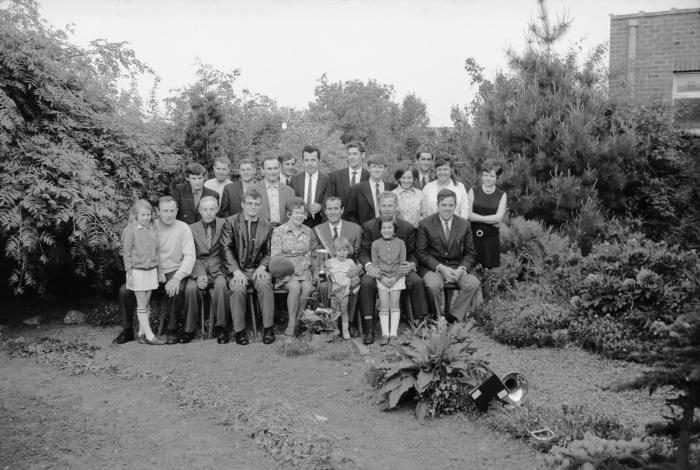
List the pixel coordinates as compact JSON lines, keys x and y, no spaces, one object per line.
{"x":286,"y":194}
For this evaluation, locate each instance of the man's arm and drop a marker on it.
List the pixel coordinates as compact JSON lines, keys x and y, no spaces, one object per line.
{"x":423,"y":248}
{"x":228,"y":243}
{"x":468,"y":249}
{"x":365,"y":255}
{"x":188,"y":255}
{"x":226,"y":197}
{"x":265,"y":250}
{"x":411,"y":243}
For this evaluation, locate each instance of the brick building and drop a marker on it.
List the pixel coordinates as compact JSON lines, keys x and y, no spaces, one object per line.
{"x":656,"y":56}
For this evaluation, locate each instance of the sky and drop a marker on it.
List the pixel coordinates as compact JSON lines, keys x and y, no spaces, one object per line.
{"x":282,"y":47}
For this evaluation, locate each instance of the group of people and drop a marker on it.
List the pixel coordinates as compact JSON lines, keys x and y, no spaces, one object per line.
{"x":220,"y":238}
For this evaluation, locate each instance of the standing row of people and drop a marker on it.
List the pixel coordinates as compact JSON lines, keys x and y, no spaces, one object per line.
{"x":401,"y":228}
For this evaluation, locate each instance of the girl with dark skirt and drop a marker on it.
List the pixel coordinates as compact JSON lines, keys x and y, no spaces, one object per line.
{"x":487,"y":207}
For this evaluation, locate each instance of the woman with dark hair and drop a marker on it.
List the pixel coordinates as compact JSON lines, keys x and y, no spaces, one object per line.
{"x":445,"y":180}
{"x":410,"y":198}
{"x":295,"y":241}
{"x":487,"y":209}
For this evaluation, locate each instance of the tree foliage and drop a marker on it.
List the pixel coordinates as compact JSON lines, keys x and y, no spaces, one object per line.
{"x":73,"y":150}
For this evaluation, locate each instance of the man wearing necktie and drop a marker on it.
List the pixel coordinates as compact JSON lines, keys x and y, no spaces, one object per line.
{"x":445,"y":251}
{"x":311,"y":185}
{"x":424,"y":164}
{"x":340,"y":181}
{"x":363,"y":199}
{"x":188,"y":195}
{"x":288,"y":162}
{"x":208,"y":272}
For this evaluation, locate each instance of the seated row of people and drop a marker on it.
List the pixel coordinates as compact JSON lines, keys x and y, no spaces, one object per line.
{"x":227,"y":256}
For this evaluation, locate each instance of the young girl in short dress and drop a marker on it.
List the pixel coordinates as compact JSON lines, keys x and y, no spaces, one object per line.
{"x":337,"y":268}
{"x":388,"y":254}
{"x":140,"y":245}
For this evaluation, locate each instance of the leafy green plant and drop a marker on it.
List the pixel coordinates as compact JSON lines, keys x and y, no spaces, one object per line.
{"x":438,"y":366}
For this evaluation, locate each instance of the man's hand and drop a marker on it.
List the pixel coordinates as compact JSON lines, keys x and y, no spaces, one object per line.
{"x":202,"y":282}
{"x":314,"y":208}
{"x":355,"y":271}
{"x":405,"y":269}
{"x":172,"y":287}
{"x":261,"y":274}
{"x":239,"y":278}
{"x":373,"y":272}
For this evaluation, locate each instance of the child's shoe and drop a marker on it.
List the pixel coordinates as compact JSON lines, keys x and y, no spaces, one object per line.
{"x":346,"y":331}
{"x":384,"y":341}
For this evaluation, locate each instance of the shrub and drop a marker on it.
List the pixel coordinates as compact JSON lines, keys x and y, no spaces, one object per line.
{"x":439,"y":367}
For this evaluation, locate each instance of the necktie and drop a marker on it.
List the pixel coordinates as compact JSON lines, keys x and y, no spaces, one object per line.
{"x":209,"y":232}
{"x":309,"y":195}
{"x":422,"y":182}
{"x":197,"y":195}
{"x":447,"y":231}
{"x":376,"y":195}
{"x":335,"y":233}
{"x":354,"y":178}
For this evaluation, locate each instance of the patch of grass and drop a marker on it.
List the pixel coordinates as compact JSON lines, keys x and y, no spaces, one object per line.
{"x":338,"y":352}
{"x":294,"y":348}
{"x":568,"y":423}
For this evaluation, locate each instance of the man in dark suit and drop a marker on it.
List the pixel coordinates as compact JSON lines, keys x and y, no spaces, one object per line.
{"x":405,"y":231}
{"x":424,"y":165}
{"x":445,"y":251}
{"x":288,"y":163}
{"x":208,"y":270}
{"x":311,"y":186}
{"x":340,"y":181}
{"x":232,"y":197}
{"x":246,"y":240}
{"x":275,"y":195}
{"x":187,"y":195}
{"x":362,"y":204}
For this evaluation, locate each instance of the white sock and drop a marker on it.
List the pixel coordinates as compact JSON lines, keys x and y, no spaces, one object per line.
{"x":144,"y":326}
{"x":346,"y":330}
{"x":384,"y":322}
{"x":395,"y":315}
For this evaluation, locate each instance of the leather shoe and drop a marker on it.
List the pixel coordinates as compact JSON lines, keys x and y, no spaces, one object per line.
{"x":269,"y":335}
{"x":369,"y":332}
{"x":187,"y":337}
{"x":173,"y":338}
{"x":450,"y":319}
{"x":242,"y":338}
{"x":222,"y":337}
{"x":156,"y":341}
{"x":124,"y":337}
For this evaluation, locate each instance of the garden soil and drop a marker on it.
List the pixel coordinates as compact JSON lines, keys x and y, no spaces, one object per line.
{"x":71,"y":399}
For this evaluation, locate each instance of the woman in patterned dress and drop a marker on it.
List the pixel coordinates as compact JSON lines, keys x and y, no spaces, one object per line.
{"x":410,"y":206}
{"x":296,"y":242}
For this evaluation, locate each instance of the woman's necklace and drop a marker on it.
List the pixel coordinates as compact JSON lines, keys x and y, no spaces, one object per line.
{"x":488,"y":191}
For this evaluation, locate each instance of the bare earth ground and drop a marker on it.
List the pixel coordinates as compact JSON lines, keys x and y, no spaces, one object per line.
{"x":204,"y":405}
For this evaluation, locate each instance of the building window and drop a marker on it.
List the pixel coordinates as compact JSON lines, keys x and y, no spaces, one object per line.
{"x":686,"y":99}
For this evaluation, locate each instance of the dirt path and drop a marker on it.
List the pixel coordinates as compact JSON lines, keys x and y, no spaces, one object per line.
{"x":205,"y":405}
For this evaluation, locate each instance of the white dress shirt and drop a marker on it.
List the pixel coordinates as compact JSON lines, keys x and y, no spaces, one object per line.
{"x":373,"y":188}
{"x":358,"y":175}
{"x":310,"y":179}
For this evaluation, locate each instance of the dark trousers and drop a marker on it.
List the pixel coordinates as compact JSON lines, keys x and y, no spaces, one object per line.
{"x":194,"y":299}
{"x":414,"y":288}
{"x":266,"y":301}
{"x":176,"y":304}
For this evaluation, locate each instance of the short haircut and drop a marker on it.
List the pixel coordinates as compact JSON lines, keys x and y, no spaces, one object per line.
{"x":356,"y":144}
{"x":195,"y":168}
{"x":223,"y":161}
{"x":492,"y":164}
{"x":388,"y":195}
{"x":295,"y":203}
{"x":286,"y":156}
{"x":209,"y":199}
{"x":392,"y":222}
{"x":246,"y":161}
{"x":423,"y":150}
{"x":342,"y":242}
{"x":166,"y":200}
{"x":445,"y":193}
{"x":403,"y":169}
{"x":443,"y":160}
{"x":254,"y":193}
{"x":268,"y":159}
{"x":332,"y":199}
{"x":311,"y":149}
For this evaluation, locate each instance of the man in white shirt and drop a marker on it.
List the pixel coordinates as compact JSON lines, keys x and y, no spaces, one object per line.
{"x":275,"y":195}
{"x":222,"y":171}
{"x":424,"y":164}
{"x":340,"y":181}
{"x":311,"y":186}
{"x":288,"y":163}
{"x":362,"y":203}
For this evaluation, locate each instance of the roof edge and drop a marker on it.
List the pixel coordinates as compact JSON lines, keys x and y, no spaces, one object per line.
{"x":642,"y":14}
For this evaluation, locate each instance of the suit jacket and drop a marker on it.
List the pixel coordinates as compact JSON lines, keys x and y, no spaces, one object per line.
{"x":433,"y":248}
{"x":339,"y":183}
{"x":431,"y":177}
{"x":298,"y":182}
{"x":231,"y":199}
{"x":360,"y":204}
{"x":352,"y":232}
{"x":186,"y":210}
{"x":236,"y":244}
{"x":372,"y":230}
{"x":286,"y":194}
{"x":210,"y":257}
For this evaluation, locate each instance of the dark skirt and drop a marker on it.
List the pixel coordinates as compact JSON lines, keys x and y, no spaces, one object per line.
{"x":487,"y":244}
